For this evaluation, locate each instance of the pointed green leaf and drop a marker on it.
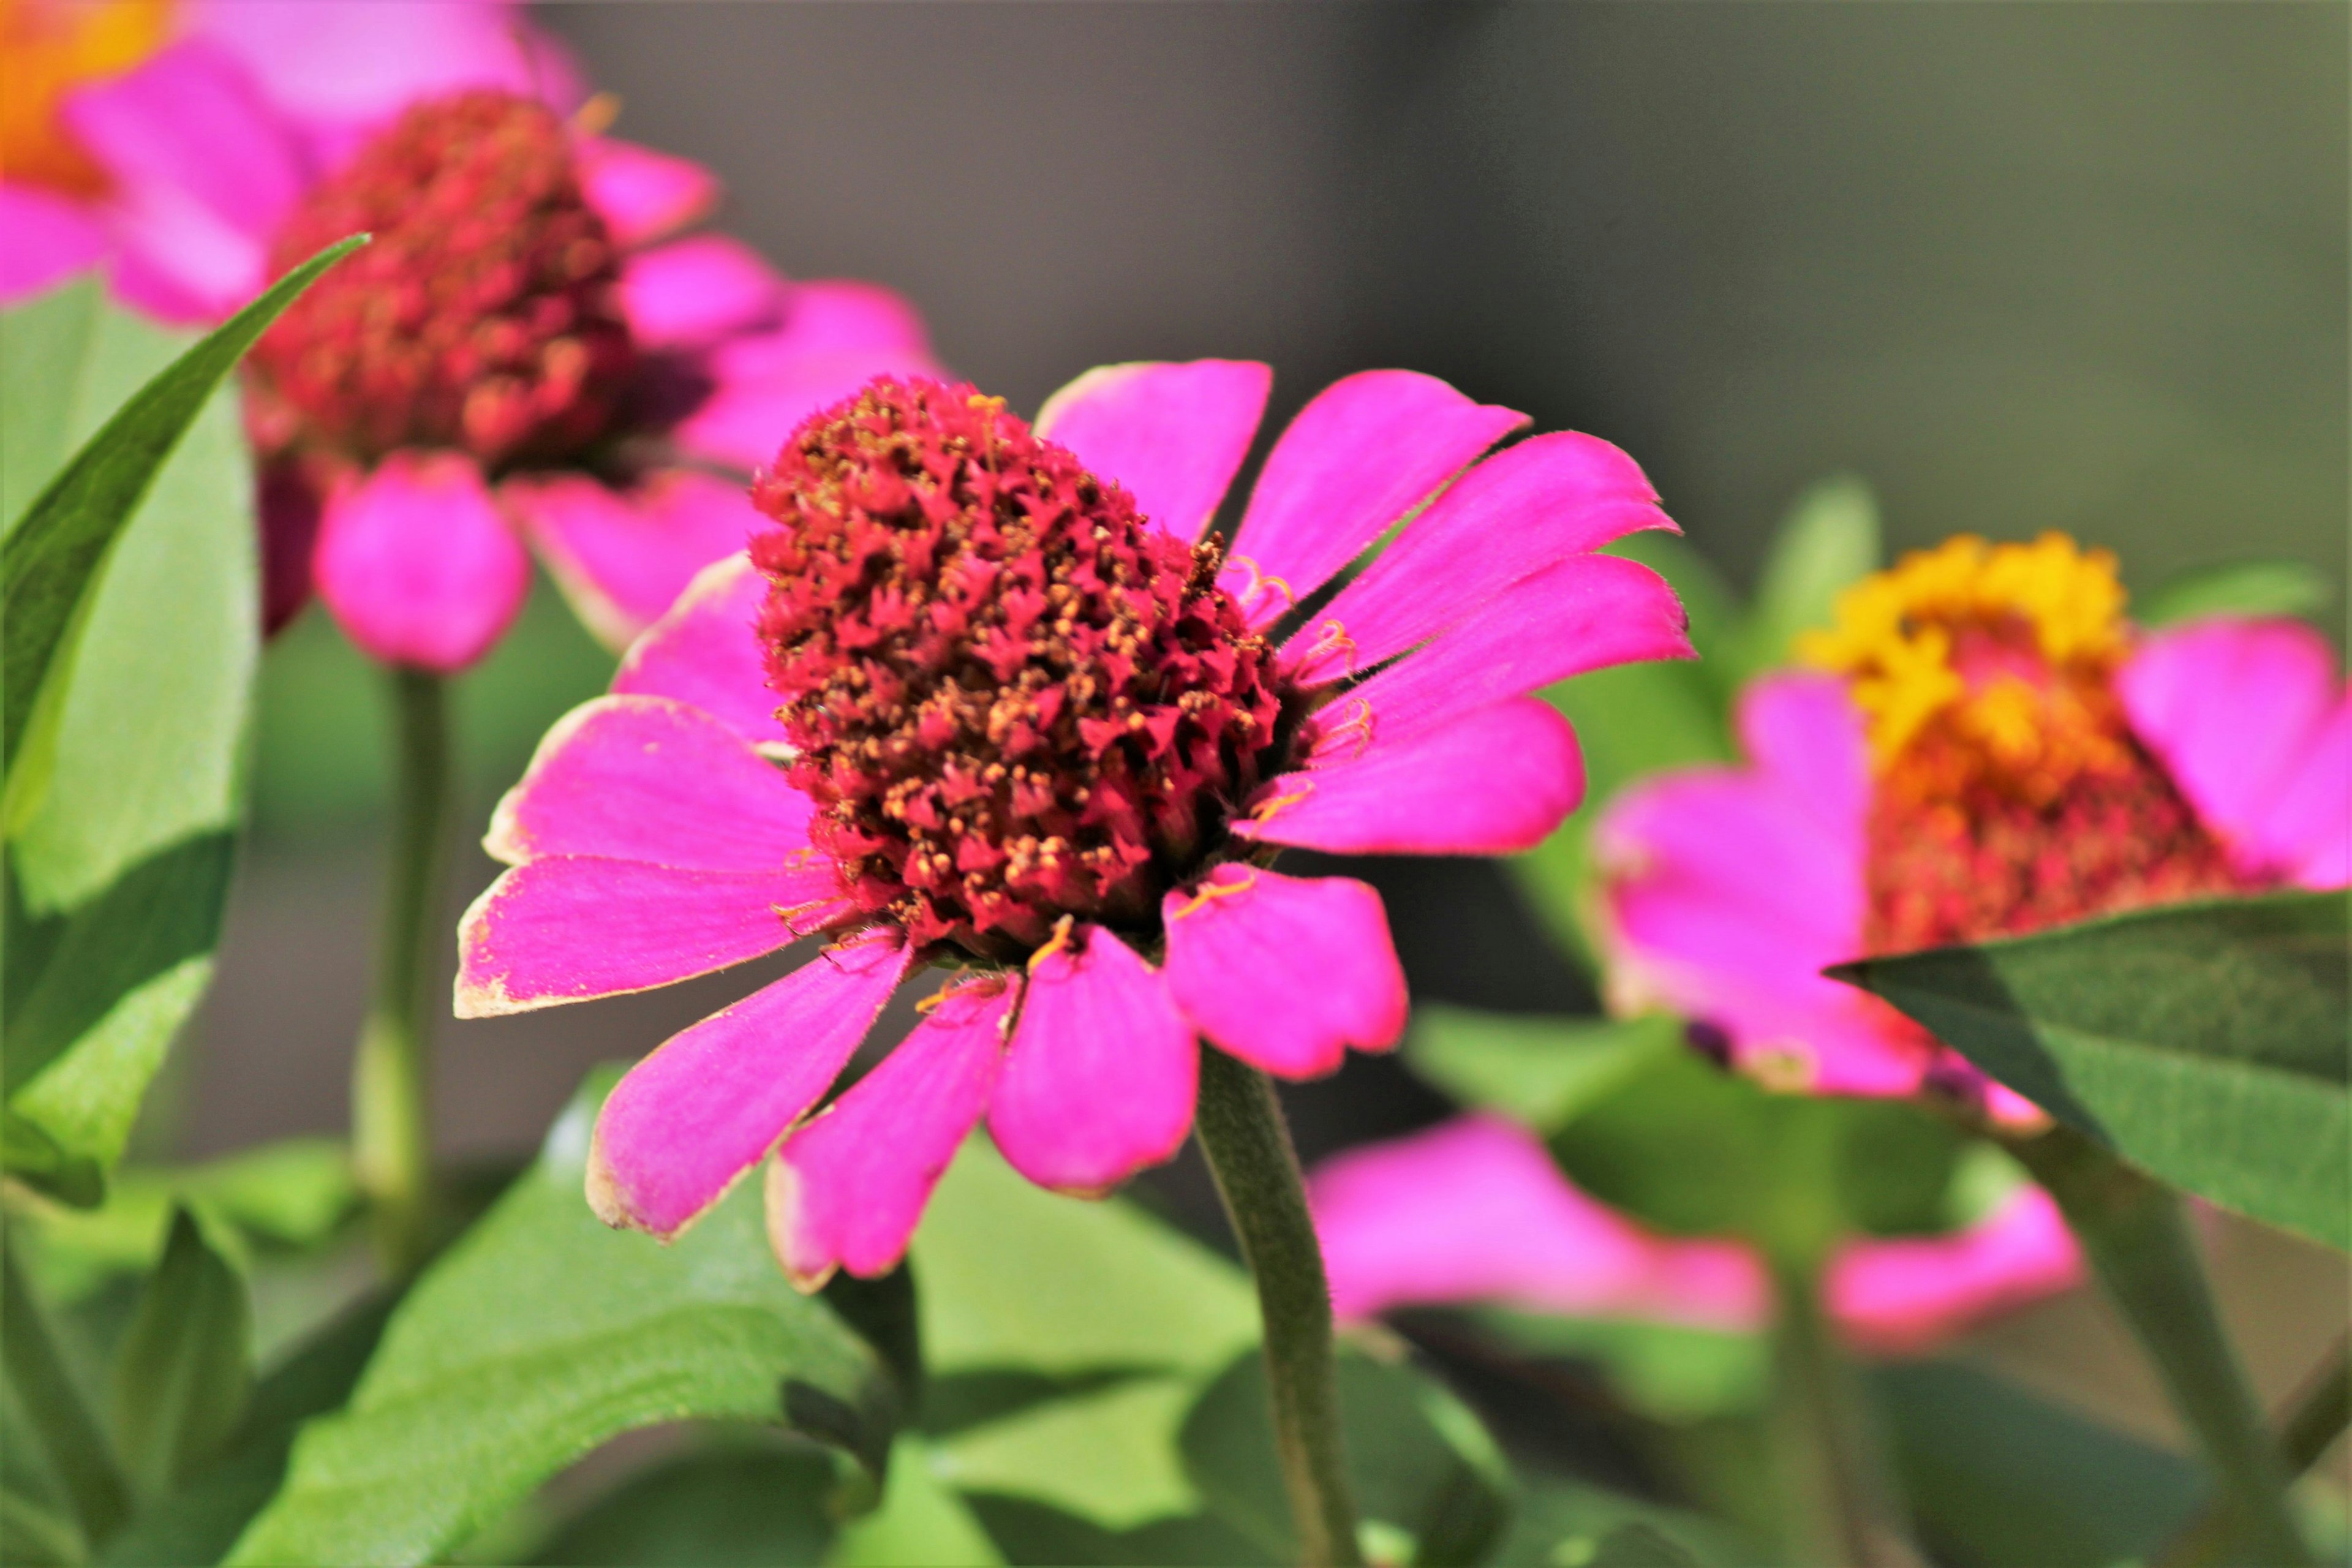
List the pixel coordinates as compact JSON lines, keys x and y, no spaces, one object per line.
{"x":2236,"y":588}
{"x":2203,"y":1042}
{"x":185,"y":1365}
{"x":43,"y":1388}
{"x":51,"y":556}
{"x":1828,"y":539}
{"x":538,"y":1336}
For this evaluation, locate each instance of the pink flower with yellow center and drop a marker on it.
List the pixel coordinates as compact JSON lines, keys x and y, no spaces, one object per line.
{"x":1475,"y":1211}
{"x":984,"y":697}
{"x":164,"y":139}
{"x":514,"y":357}
{"x":1986,"y":747}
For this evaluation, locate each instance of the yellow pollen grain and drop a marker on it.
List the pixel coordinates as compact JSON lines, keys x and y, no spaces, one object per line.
{"x":1895,"y":634}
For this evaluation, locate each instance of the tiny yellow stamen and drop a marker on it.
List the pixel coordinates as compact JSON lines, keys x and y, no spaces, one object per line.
{"x":1260,"y":582}
{"x":1331,"y":638}
{"x":1208,"y":893}
{"x":596,"y":116}
{"x":1358,"y":724}
{"x":1264,"y":812}
{"x":1059,"y":942}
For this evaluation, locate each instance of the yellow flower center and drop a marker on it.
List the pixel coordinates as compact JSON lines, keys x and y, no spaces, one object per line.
{"x":48,"y":49}
{"x":2001,"y":654}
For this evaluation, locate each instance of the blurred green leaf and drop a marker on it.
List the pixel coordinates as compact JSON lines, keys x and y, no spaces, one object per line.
{"x":1107,"y":1456}
{"x":2236,"y":588}
{"x":736,"y":1505}
{"x":1420,"y":1462}
{"x":1536,"y":1069}
{"x":2203,"y":1042}
{"x":1828,"y":539}
{"x":186,"y":1367}
{"x":1030,"y":1533}
{"x":43,"y":1389}
{"x":1667,"y":1371}
{"x":921,"y":1519}
{"x":1016,"y":1278}
{"x":1996,"y":1475}
{"x":197,"y":1524}
{"x":55,"y":552}
{"x":540,"y":1335}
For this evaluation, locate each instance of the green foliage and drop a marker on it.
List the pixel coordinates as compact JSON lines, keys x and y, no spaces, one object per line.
{"x":1668,"y":1373}
{"x":734,"y":1505}
{"x":1829,"y":540}
{"x":2203,"y":1042}
{"x":44,"y":1390}
{"x":919,"y":1519}
{"x":1424,"y":1470}
{"x":185,"y":1367}
{"x":1536,"y":1069}
{"x":541,"y":1334}
{"x":2236,"y":588}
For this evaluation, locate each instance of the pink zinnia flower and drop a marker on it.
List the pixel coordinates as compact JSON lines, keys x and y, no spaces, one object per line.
{"x":1035,"y":729}
{"x":1991,"y":749}
{"x":164,"y":139}
{"x":513,"y":357}
{"x":1474,"y":1211}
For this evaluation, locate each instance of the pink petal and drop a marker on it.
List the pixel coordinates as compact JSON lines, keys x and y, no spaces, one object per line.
{"x":623,"y":557}
{"x":1805,"y":733}
{"x":338,"y":66}
{"x":1523,"y":510}
{"x":1172,"y":435}
{"x":1905,"y":1297}
{"x":848,"y":1189}
{"x":1366,"y":451}
{"x":571,"y":928}
{"x":645,"y":778}
{"x":695,"y":291}
{"x":643,"y":195}
{"x":417,"y":564}
{"x":1475,"y":1210}
{"x":1493,"y":782}
{"x":1100,"y":1078}
{"x":49,"y":238}
{"x":2309,"y":829}
{"x":1282,"y":972}
{"x":716,"y":1099}
{"x":1581,"y":613}
{"x":2230,"y":707}
{"x":191,"y":119}
{"x":704,"y":653}
{"x":837,"y":337}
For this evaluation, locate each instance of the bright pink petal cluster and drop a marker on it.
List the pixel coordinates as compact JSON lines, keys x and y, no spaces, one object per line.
{"x":984,"y":697}
{"x":1475,"y":1210}
{"x":1728,"y":889}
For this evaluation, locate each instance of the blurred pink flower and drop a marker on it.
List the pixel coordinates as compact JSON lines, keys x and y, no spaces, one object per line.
{"x":2204,"y":760}
{"x":1475,"y":1211}
{"x":1037,"y":733}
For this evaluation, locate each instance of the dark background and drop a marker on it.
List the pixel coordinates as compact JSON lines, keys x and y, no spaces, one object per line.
{"x":2018,"y":265}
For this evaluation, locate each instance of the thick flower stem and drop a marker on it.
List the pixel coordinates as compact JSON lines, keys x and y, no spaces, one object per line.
{"x":1833,"y":1498}
{"x":2137,"y":1237}
{"x":391,"y":1129}
{"x":1242,"y":1131}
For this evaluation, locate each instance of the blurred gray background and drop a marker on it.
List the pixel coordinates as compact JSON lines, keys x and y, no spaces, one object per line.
{"x":2019,"y":266}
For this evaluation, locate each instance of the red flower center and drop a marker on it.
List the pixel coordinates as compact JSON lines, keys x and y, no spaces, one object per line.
{"x":1013,"y":698}
{"x":486,"y":316}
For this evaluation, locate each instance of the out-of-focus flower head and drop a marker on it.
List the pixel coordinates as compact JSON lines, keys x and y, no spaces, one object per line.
{"x":1474,"y":1211}
{"x":1988,"y":748}
{"x":1037,"y":728}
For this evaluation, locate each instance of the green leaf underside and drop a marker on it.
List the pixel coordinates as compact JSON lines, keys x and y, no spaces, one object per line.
{"x":2203,"y":1042}
{"x":2236,"y":588}
{"x":538,"y":1337}
{"x":51,"y":555}
{"x":739,"y":1503}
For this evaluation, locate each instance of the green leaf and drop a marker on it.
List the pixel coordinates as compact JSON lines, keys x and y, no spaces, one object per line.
{"x":540,"y":1335}
{"x":1996,"y":1475}
{"x":1423,"y":1468}
{"x":51,"y":556}
{"x":1537,"y":1070}
{"x":1107,"y":1455}
{"x":185,"y":1365}
{"x":1028,"y":1531}
{"x":1014,"y":1277}
{"x":1828,"y":540}
{"x":43,"y":1388}
{"x":2203,"y":1042}
{"x":1670,"y":1372}
{"x":921,"y":1519}
{"x":2236,"y":588}
{"x":740,"y":1505}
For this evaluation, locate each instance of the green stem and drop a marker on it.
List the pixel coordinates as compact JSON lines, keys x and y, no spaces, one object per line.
{"x":391,"y":1127}
{"x":2314,"y":1416}
{"x":2135,"y":1233}
{"x":1247,"y":1143}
